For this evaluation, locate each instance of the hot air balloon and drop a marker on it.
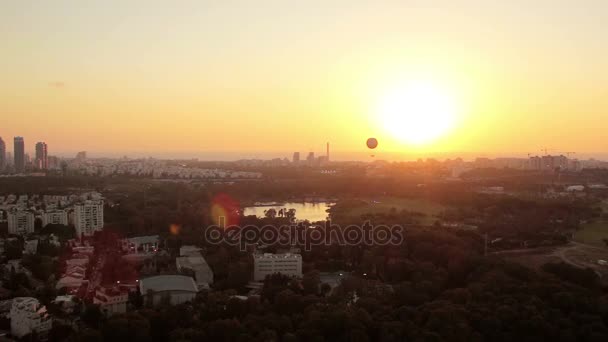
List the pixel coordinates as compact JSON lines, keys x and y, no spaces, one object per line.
{"x":372,"y":143}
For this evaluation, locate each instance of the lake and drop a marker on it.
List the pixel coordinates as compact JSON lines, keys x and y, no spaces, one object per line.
{"x":311,"y":211}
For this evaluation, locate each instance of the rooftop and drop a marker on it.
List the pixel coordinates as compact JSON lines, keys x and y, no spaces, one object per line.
{"x":167,"y":283}
{"x":278,"y":256}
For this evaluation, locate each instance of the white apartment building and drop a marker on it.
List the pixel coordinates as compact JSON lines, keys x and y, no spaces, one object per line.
{"x":20,"y":222}
{"x":176,"y":289}
{"x":266,"y":264}
{"x":88,"y":217}
{"x":55,"y":217}
{"x":111,"y":300}
{"x":28,"y":316}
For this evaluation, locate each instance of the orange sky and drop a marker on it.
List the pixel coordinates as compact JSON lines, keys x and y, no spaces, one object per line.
{"x":154,"y":77}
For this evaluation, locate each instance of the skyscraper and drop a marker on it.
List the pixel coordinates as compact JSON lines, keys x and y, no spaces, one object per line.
{"x":19,"y":152}
{"x":311,"y":158}
{"x":296,"y":157}
{"x":88,"y":217}
{"x":2,"y":154}
{"x":42,"y":161}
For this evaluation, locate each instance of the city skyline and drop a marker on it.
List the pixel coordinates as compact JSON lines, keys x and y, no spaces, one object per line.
{"x":321,"y":150}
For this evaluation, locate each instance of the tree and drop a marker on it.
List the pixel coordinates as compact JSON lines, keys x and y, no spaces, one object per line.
{"x":92,"y":315}
{"x":270,"y":213}
{"x":310,"y":282}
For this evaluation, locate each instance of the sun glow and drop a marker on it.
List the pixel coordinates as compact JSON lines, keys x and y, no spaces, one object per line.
{"x":418,"y":112}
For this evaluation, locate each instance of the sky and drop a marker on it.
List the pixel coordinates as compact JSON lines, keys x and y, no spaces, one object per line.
{"x":212,"y":79}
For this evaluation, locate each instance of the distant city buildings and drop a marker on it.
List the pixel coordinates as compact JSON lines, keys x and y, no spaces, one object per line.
{"x":41,"y":161}
{"x":81,"y":156}
{"x":265,"y":264}
{"x":84,"y":211}
{"x":19,"y":154}
{"x":296,"y":157}
{"x":311,"y":158}
{"x":2,"y":155}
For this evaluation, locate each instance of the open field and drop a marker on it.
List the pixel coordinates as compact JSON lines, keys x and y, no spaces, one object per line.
{"x":576,"y":254}
{"x":385,"y":204}
{"x":592,"y":233}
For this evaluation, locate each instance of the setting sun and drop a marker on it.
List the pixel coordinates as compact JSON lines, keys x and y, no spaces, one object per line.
{"x":417,"y":112}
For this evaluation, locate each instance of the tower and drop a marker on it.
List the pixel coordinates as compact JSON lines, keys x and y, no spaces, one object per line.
{"x":42,"y":161}
{"x":19,"y":149}
{"x":2,"y":154}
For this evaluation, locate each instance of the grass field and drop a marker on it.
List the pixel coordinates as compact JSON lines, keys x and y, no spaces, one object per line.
{"x":593,"y":233}
{"x":384,"y":205}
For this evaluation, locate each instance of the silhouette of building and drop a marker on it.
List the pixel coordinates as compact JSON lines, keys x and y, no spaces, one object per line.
{"x":296,"y":157}
{"x":42,"y":161}
{"x":311,"y":158}
{"x":327,"y":152}
{"x":2,"y":154}
{"x":548,"y":163}
{"x":19,"y":154}
{"x":81,"y":156}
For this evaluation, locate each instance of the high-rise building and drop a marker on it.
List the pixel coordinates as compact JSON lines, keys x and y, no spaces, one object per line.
{"x":19,"y":155}
{"x":296,"y":157}
{"x":81,"y":156}
{"x":2,"y":154}
{"x":327,"y":153}
{"x":20,"y":222}
{"x":88,"y":217}
{"x":311,"y":158}
{"x":53,"y":162}
{"x":55,"y":217}
{"x":42,"y":161}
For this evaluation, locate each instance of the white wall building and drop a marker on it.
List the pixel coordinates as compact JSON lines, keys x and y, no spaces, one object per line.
{"x":20,"y":222}
{"x":28,"y":316}
{"x":176,"y":289}
{"x":88,"y":217}
{"x":140,"y":244}
{"x":55,"y":217}
{"x":266,"y":264}
{"x":111,"y":300}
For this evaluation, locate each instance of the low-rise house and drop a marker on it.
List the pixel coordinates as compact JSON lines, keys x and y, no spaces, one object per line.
{"x":111,"y":300}
{"x":29,"y":316}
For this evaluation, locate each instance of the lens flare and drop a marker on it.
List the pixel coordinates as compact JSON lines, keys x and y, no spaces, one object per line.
{"x":225,"y":211}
